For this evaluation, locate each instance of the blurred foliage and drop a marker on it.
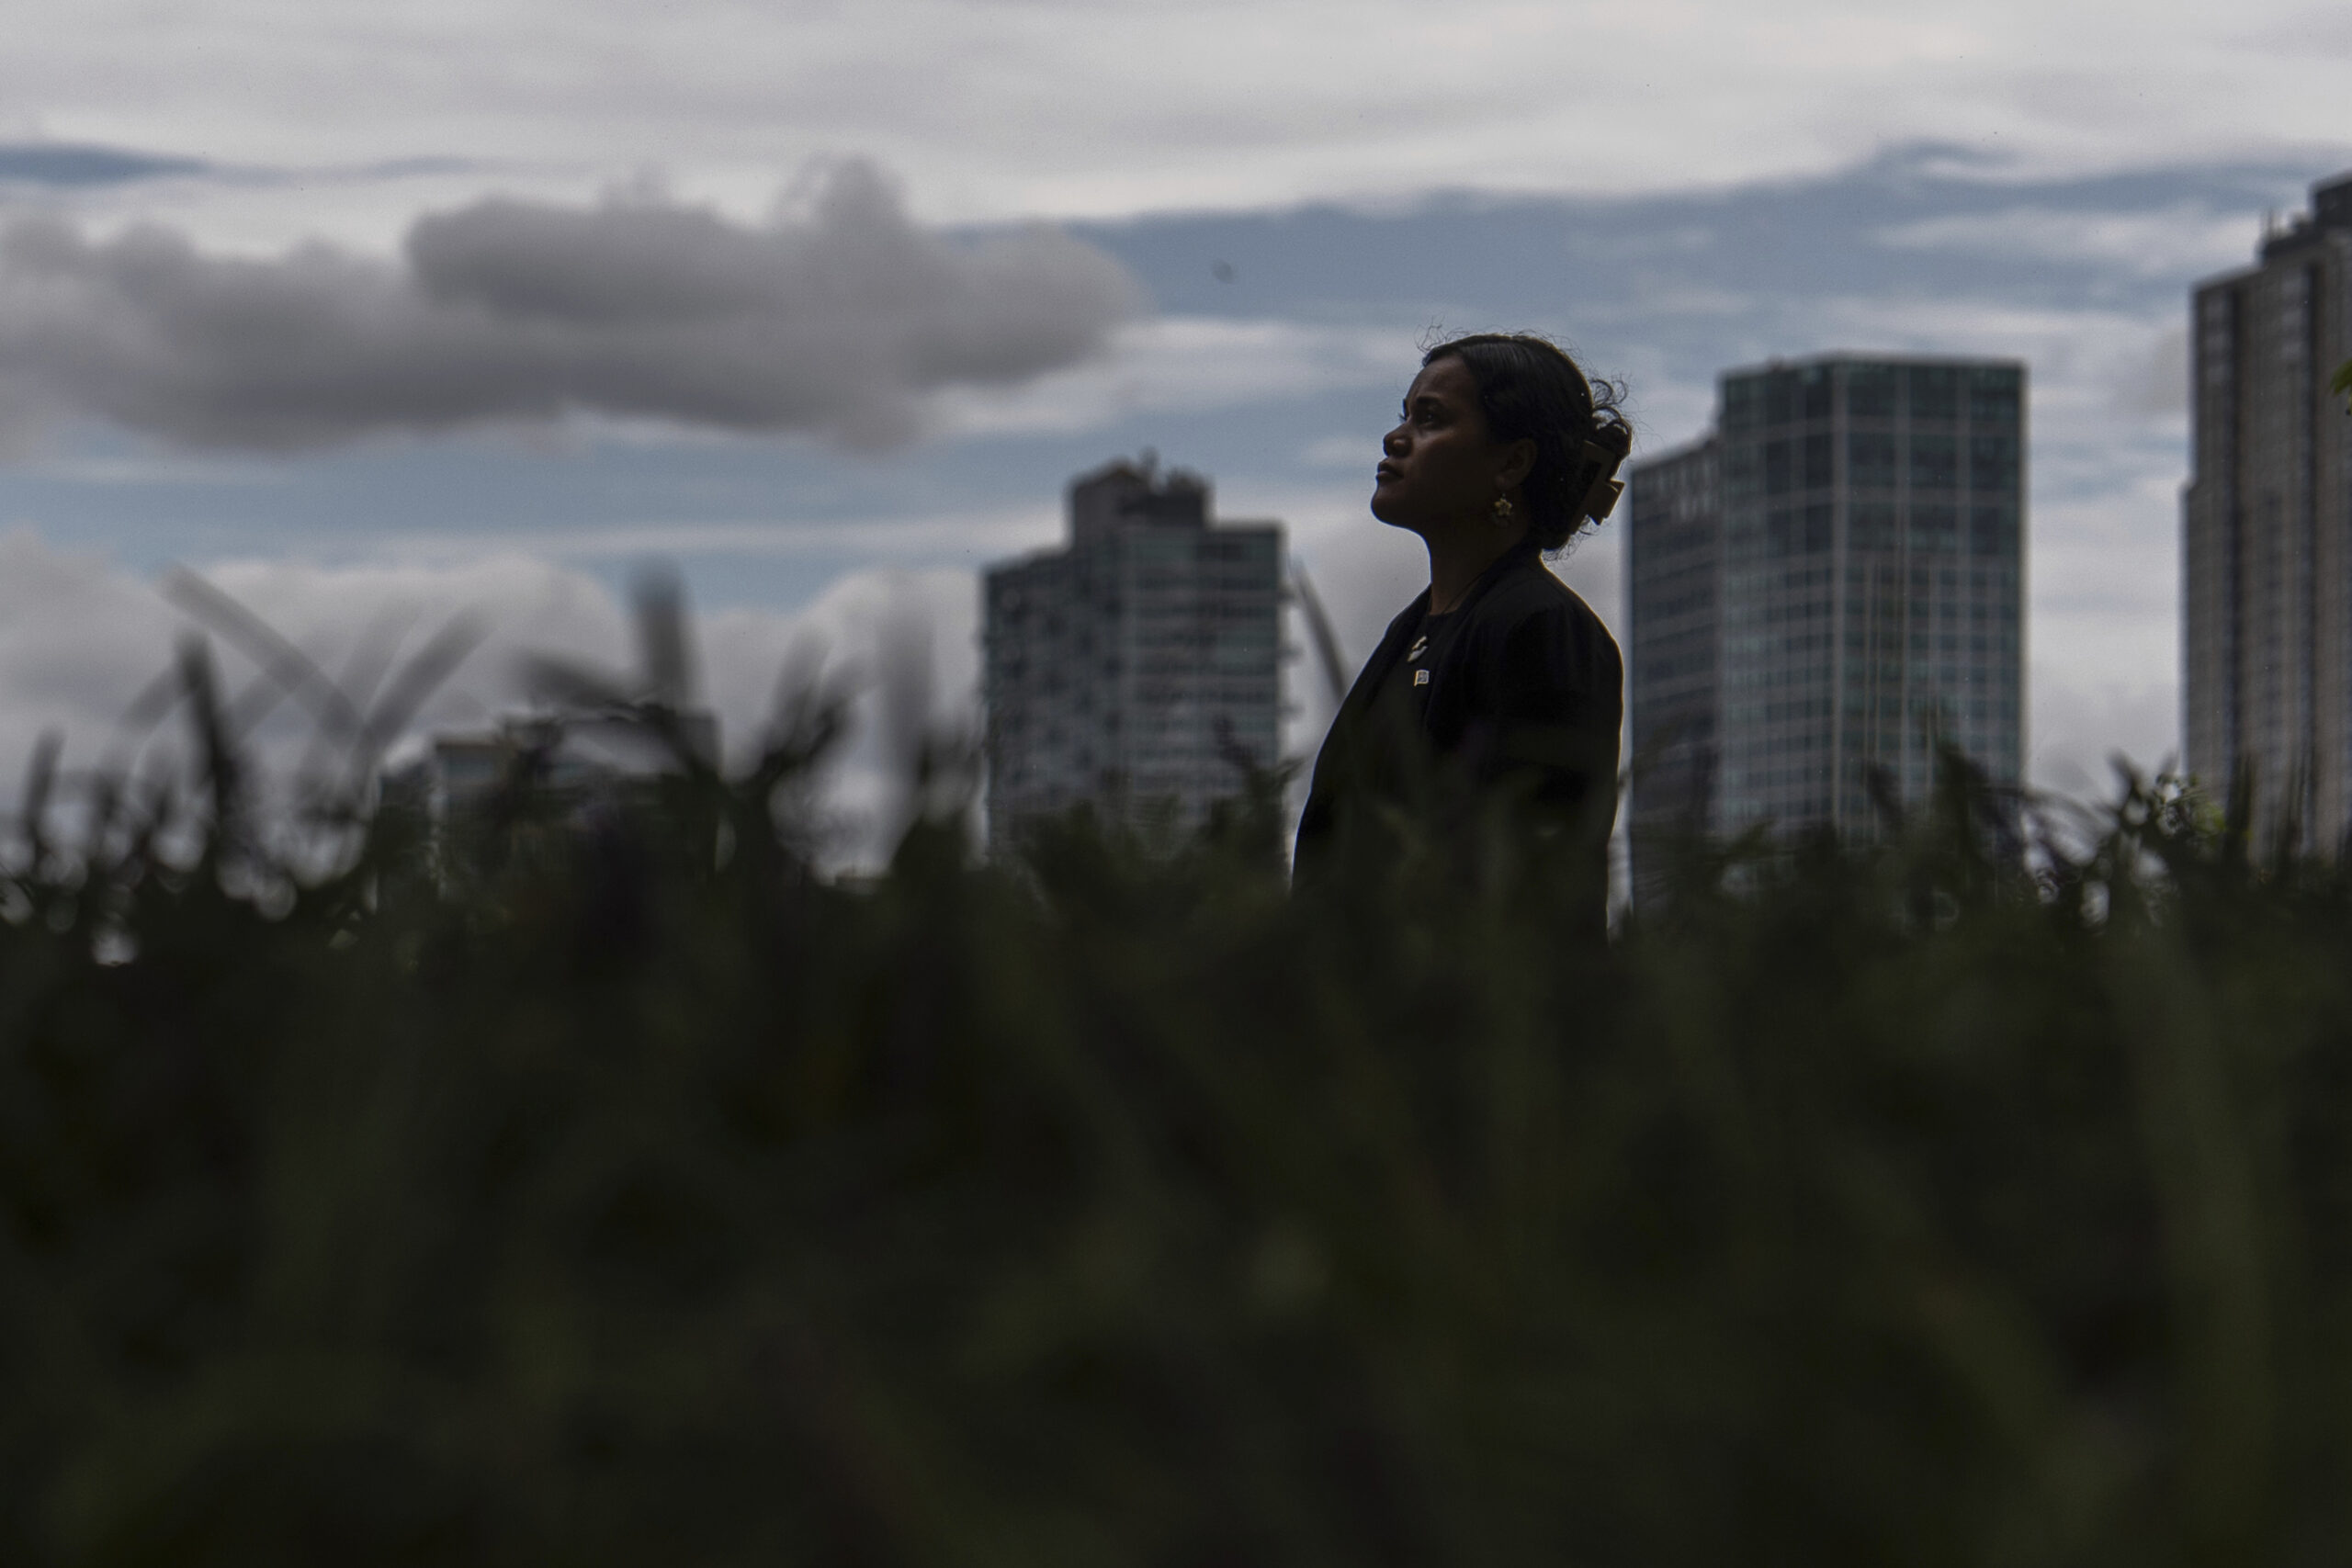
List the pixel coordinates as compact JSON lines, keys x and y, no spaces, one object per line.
{"x":2343,"y":383}
{"x":588,"y":1181}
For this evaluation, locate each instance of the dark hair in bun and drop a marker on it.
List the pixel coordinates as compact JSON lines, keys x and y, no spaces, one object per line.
{"x":1529,"y":389}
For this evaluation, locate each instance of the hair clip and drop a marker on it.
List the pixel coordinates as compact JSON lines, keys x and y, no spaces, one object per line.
{"x":1602,"y":499}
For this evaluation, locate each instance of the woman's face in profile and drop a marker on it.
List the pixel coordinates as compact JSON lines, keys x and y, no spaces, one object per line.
{"x":1439,"y":462}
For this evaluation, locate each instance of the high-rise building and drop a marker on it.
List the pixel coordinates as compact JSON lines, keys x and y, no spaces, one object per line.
{"x":2267,"y":527}
{"x":1138,"y":669}
{"x":1823,"y":586}
{"x":1674,"y":601}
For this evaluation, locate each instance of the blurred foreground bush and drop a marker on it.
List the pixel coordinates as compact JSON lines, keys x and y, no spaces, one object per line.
{"x":597,"y":1184}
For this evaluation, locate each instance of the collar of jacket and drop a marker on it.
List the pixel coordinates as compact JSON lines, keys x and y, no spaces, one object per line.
{"x":1524,"y":553}
{"x":1400,"y":631}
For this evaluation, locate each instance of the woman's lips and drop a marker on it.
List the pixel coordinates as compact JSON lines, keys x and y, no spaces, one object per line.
{"x":1385,"y":471}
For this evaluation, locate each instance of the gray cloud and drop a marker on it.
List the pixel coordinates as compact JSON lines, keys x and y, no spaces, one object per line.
{"x":2156,"y":382}
{"x":836,"y":321}
{"x":68,"y":165}
{"x":997,"y":106}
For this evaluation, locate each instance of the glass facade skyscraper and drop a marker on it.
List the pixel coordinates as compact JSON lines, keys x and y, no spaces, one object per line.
{"x":2267,"y":529}
{"x":1822,"y":587}
{"x":1138,"y":669}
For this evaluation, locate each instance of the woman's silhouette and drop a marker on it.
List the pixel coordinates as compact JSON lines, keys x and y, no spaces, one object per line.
{"x":1498,"y":686}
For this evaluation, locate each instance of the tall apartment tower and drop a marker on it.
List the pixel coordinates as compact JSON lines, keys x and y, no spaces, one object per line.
{"x":1822,"y":585}
{"x":1138,"y":669}
{"x":2267,"y":527}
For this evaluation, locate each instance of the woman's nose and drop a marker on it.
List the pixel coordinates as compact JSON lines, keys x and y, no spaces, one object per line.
{"x":1393,"y":443}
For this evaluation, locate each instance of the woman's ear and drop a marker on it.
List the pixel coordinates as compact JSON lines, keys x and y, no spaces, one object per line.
{"x":1519,"y":461}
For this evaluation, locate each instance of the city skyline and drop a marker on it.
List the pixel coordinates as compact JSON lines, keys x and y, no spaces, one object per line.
{"x":1249,"y":272}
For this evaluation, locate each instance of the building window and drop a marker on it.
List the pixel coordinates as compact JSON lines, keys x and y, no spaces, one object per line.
{"x":1934,"y":529}
{"x":1818,"y":470}
{"x":1869,"y":460}
{"x":1935,"y":392}
{"x":1991,"y":531}
{"x":1935,"y":462}
{"x":1992,"y":396}
{"x":1993,"y":462}
{"x":1870,"y":392}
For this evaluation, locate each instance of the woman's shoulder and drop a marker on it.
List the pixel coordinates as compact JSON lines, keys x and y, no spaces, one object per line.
{"x":1530,"y":599}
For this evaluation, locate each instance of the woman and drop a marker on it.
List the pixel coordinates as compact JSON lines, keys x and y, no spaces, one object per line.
{"x":1498,"y":684}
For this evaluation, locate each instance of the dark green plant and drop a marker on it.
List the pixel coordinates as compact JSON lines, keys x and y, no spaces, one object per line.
{"x":590,"y":1181}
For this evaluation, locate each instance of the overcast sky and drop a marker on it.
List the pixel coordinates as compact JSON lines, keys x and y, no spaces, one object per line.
{"x":376,"y":312}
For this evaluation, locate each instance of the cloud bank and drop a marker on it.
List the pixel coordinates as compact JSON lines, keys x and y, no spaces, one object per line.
{"x":840,"y":320}
{"x":994,"y":108}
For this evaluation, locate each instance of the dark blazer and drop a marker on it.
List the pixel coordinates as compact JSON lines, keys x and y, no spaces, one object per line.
{"x":1528,"y":697}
